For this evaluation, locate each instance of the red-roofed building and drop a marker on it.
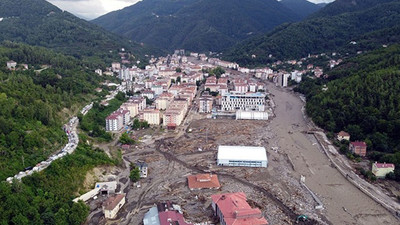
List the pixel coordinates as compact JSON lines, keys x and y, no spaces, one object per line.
{"x":203,"y":181}
{"x":380,"y":170}
{"x":343,"y":136}
{"x":172,"y":218}
{"x":232,"y":208}
{"x":358,"y":147}
{"x":211,"y":80}
{"x":112,"y":205}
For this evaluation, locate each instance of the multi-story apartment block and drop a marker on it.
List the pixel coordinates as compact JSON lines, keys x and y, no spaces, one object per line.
{"x":205,"y":104}
{"x":243,"y":101}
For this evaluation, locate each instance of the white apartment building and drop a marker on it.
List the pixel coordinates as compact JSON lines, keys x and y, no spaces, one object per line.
{"x":117,"y":120}
{"x":205,"y":104}
{"x":243,"y":101}
{"x":241,"y":87}
{"x":114,"y":122}
{"x":152,"y":116}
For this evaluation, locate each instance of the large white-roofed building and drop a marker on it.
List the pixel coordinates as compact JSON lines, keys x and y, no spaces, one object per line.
{"x":242,"y":156}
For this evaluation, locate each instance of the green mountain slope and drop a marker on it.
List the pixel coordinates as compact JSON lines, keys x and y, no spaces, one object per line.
{"x":345,"y":6}
{"x":33,"y":105}
{"x":197,"y":25}
{"x":37,"y":22}
{"x":362,"y":99}
{"x":302,"y":8}
{"x":321,"y":34}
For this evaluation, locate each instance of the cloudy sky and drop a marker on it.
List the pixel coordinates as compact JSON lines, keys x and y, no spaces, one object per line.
{"x":90,"y":9}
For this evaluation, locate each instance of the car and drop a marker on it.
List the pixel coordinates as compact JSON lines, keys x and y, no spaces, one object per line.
{"x":28,"y":168}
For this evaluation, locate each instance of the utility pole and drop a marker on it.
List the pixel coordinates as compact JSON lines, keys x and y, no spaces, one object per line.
{"x":23,"y":161}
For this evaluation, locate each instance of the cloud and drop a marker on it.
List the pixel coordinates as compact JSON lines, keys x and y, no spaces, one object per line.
{"x":90,"y":9}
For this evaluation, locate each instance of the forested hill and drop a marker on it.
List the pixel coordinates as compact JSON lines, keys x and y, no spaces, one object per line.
{"x":303,"y":8}
{"x":345,"y":6}
{"x":362,"y":98}
{"x":33,"y":105}
{"x":196,"y":25}
{"x":323,"y":34}
{"x":37,"y":22}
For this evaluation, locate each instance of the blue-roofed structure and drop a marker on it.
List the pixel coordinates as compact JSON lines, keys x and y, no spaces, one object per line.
{"x":151,"y":217}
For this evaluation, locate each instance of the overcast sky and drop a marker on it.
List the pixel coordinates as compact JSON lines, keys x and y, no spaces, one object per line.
{"x":90,"y":9}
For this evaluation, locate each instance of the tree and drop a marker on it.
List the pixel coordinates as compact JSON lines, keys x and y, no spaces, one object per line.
{"x":178,"y":79}
{"x":79,"y":213}
{"x":178,"y":70}
{"x":125,"y":139}
{"x":135,"y":174}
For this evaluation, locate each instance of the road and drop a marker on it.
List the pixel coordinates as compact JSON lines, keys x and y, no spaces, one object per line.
{"x":70,"y":129}
{"x":343,"y":202}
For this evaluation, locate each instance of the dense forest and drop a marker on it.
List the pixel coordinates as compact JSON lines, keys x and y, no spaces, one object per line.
{"x":46,"y":197}
{"x":366,"y":24}
{"x":39,"y":23}
{"x":34,"y":105}
{"x":362,"y":98}
{"x":196,"y":25}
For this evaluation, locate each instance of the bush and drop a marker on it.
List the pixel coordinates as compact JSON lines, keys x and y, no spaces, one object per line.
{"x":126,"y":140}
{"x":135,"y":174}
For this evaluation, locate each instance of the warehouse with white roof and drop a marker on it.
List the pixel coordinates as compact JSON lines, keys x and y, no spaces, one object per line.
{"x":242,"y":156}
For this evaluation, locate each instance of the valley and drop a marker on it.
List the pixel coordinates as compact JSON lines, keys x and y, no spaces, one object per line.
{"x":200,"y":112}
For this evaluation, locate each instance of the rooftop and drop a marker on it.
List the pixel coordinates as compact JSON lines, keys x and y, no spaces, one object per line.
{"x":236,"y":210}
{"x":242,"y":153}
{"x":359,"y":144}
{"x":200,"y":181}
{"x":343,"y":133}
{"x":384,"y":165}
{"x":113,"y":201}
{"x":172,"y":218}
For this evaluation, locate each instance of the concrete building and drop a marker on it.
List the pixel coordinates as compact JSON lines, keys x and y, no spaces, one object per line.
{"x":148,"y":93}
{"x":106,"y":188}
{"x":251,"y":115}
{"x":232,"y":208}
{"x":143,"y":169}
{"x":283,"y":79}
{"x":163,"y":101}
{"x":117,"y":120}
{"x":158,"y":89}
{"x":135,"y":105}
{"x":203,"y":181}
{"x":151,"y":217}
{"x":205,"y":104}
{"x":242,"y":156}
{"x":112,"y":205}
{"x":11,"y":65}
{"x":380,"y":170}
{"x":358,"y":147}
{"x":175,"y":113}
{"x":99,"y":72}
{"x":241,"y":87}
{"x":116,"y":66}
{"x":152,"y":116}
{"x":114,"y":122}
{"x":343,"y":136}
{"x":243,"y":101}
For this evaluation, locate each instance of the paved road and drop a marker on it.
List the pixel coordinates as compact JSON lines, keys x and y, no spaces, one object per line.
{"x":343,"y":202}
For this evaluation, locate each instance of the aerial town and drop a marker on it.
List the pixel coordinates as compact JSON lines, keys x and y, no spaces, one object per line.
{"x":193,"y":104}
{"x":214,"y":176}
